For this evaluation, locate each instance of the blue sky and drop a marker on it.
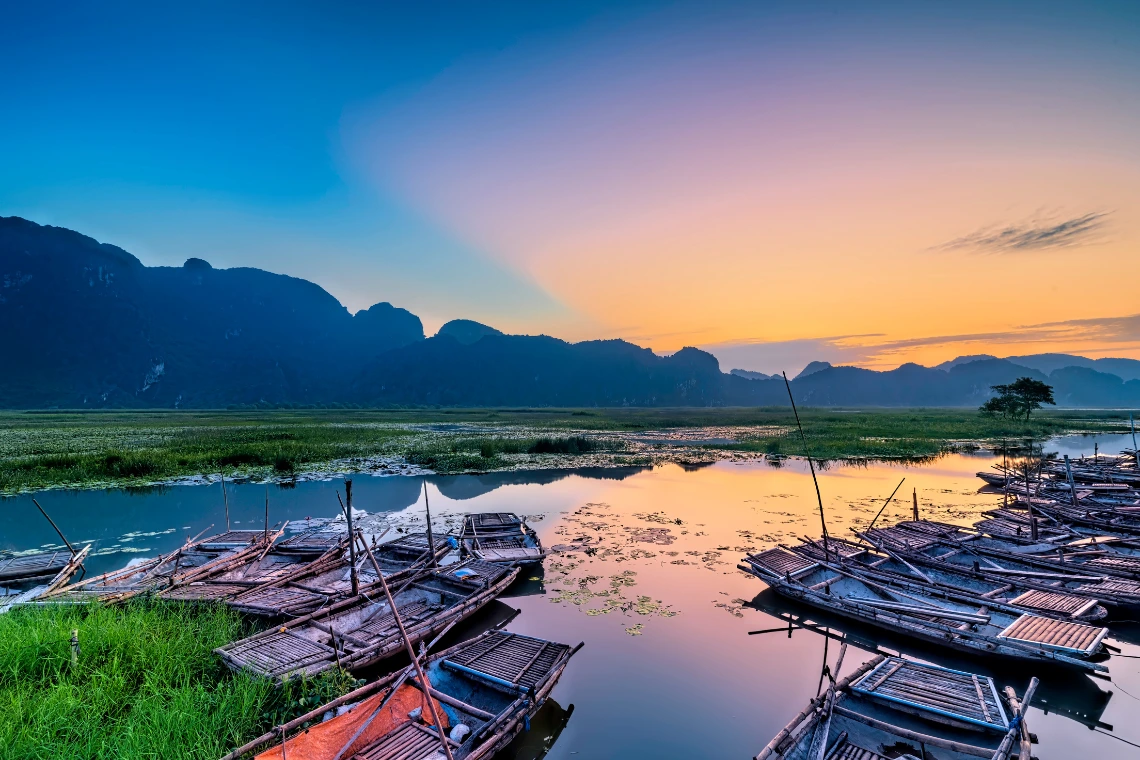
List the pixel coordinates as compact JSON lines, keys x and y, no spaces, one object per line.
{"x":776,"y":181}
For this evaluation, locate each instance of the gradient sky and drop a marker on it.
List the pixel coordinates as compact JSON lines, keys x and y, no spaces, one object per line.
{"x":776,"y":182}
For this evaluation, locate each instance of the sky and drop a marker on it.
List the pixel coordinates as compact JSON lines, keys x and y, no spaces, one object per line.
{"x":867,"y":184}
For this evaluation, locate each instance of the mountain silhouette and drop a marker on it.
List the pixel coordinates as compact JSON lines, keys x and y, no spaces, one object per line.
{"x":86,"y":325}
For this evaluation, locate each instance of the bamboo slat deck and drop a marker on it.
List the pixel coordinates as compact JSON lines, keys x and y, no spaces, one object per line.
{"x":487,"y":572}
{"x":234,"y":539}
{"x":845,"y":750}
{"x":947,"y":695}
{"x":33,"y":565}
{"x":1129,"y":565}
{"x":1055,"y":601}
{"x":1055,"y":634}
{"x":279,"y":653}
{"x":781,"y":561}
{"x":1112,"y":585}
{"x":413,"y":544}
{"x":518,"y":660}
{"x":410,"y":741}
{"x":487,"y":523}
{"x":836,"y":547}
{"x":316,"y":541}
{"x":202,"y":592}
{"x":278,"y":601}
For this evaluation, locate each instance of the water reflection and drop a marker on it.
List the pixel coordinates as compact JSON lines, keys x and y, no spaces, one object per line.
{"x":641,"y":542}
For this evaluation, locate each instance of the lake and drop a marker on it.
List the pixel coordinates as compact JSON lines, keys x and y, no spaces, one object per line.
{"x":647,"y":579}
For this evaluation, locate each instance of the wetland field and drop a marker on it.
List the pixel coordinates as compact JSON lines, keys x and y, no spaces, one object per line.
{"x":61,"y":449}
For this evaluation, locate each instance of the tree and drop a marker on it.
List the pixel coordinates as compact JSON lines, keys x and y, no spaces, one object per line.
{"x":1022,"y":395}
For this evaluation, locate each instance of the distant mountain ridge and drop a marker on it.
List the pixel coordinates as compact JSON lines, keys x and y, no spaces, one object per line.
{"x":86,"y":325}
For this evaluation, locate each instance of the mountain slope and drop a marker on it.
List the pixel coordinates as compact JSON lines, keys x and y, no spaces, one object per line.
{"x":87,"y":325}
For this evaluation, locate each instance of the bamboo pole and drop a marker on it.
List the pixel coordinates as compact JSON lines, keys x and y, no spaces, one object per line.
{"x":803,"y":438}
{"x":419,"y":669}
{"x":226,"y":500}
{"x":57,"y":530}
{"x":885,"y":503}
{"x":431,"y":543}
{"x":346,"y":505}
{"x":914,"y":493}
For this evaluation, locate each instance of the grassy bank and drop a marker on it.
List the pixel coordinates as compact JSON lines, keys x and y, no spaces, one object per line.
{"x":53,"y":449}
{"x":147,"y":684}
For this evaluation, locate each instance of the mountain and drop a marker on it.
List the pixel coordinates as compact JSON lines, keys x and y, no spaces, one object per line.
{"x":812,"y":368}
{"x":86,"y":325}
{"x":750,"y":375}
{"x":466,"y":331}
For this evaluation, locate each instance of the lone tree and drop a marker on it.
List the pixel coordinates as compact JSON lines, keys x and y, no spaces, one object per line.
{"x":1022,"y":395}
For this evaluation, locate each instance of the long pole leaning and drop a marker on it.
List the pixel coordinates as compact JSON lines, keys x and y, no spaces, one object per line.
{"x":70,"y":548}
{"x":431,"y":542}
{"x":807,"y":453}
{"x":885,"y":503}
{"x":226,"y":500}
{"x":419,"y":668}
{"x":346,"y":505}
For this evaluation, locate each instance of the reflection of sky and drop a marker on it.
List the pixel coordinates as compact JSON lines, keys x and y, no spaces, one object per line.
{"x":717,"y":174}
{"x":677,"y":671}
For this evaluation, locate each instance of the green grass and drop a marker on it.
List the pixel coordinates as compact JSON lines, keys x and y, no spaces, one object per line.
{"x":61,"y":449}
{"x":147,"y":684}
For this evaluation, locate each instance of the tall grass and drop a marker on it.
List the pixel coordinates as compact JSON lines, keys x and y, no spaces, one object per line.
{"x":147,"y":684}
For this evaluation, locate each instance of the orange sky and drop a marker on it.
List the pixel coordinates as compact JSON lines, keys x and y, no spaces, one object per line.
{"x":730,"y":189}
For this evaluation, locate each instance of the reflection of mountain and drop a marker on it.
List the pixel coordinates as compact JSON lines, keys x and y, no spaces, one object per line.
{"x":1066,"y":692}
{"x":462,"y":487}
{"x":545,"y":728}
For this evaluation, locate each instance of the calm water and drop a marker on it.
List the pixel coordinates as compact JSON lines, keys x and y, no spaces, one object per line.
{"x":650,"y":584}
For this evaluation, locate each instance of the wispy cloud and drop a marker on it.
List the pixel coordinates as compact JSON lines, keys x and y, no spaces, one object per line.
{"x":1033,"y":235}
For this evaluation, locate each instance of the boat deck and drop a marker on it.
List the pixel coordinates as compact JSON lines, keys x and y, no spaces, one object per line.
{"x":411,"y":741}
{"x":316,"y":541}
{"x":845,"y":750}
{"x":781,"y":561}
{"x":234,"y":539}
{"x":279,"y":601}
{"x":521,"y":661}
{"x":204,"y":592}
{"x":961,"y":698}
{"x":1055,"y":634}
{"x":493,"y":522}
{"x":33,"y":565}
{"x":1055,"y":601}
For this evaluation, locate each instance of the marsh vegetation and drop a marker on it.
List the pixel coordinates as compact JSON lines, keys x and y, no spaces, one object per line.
{"x":66,"y":449}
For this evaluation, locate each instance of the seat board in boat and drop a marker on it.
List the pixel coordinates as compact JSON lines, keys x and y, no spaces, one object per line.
{"x":959,"y":696}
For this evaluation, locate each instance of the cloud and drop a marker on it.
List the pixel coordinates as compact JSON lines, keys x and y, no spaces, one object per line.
{"x":1033,"y":235}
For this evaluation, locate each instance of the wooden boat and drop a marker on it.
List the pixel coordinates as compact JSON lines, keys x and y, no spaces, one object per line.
{"x":39,"y":591}
{"x":948,"y":620}
{"x":957,"y":582}
{"x":486,"y":691}
{"x":1090,"y":556}
{"x":958,"y":555}
{"x":994,"y":478}
{"x":17,"y":568}
{"x":501,"y":537}
{"x":183,"y":565}
{"x":360,"y":631}
{"x":891,"y":707}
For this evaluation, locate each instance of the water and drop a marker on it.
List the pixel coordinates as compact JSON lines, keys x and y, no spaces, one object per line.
{"x":668,"y":670}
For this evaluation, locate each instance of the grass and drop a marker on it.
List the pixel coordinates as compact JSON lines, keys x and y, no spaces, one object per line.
{"x":64,"y":449}
{"x":147,"y":684}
